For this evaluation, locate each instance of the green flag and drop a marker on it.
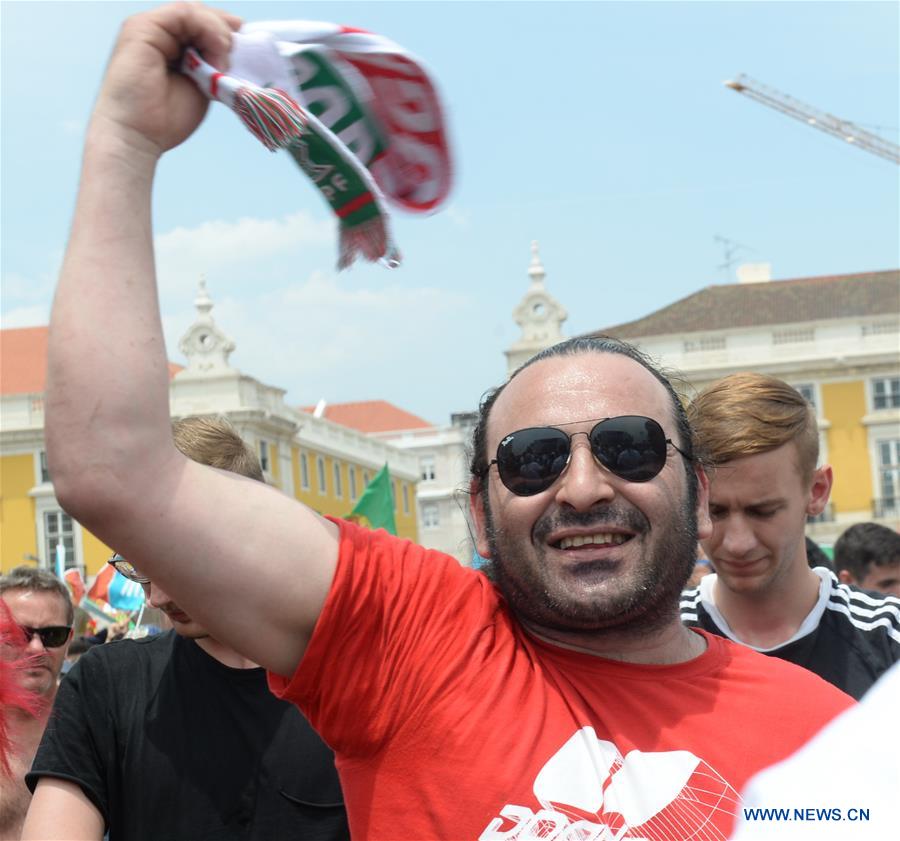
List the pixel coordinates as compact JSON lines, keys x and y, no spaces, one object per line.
{"x":375,"y":508}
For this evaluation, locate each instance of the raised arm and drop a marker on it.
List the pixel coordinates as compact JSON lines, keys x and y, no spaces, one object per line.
{"x":246,"y":561}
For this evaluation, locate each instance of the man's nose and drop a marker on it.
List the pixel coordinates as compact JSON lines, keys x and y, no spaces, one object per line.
{"x":738,"y":538}
{"x":585,"y":482}
{"x":36,"y":644}
{"x":157,"y":596}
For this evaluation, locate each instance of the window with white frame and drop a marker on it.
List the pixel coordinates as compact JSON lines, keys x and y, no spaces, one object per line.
{"x":426,"y":465}
{"x":338,"y":484}
{"x":793,"y":335}
{"x":59,"y":528}
{"x":352,"y":471}
{"x":320,"y":470}
{"x":807,"y":392}
{"x":264,"y":455}
{"x":889,"y":473}
{"x":42,"y":465}
{"x":366,"y":478}
{"x":704,"y":343}
{"x":304,"y":471}
{"x":886,"y":393}
{"x":393,"y":485}
{"x":431,"y":517}
{"x":405,"y":498}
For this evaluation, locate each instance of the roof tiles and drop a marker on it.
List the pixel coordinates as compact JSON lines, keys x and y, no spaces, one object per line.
{"x":23,"y":360}
{"x":724,"y":307}
{"x":371,"y":416}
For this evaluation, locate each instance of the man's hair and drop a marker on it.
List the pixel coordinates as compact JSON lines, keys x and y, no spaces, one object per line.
{"x":214,"y":441}
{"x":864,"y":545}
{"x":745,"y":414}
{"x":816,"y":557}
{"x":478,"y":462}
{"x":39,"y":580}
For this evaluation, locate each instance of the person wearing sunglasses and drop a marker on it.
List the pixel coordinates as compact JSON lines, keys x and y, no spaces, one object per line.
{"x":40,"y":605}
{"x":561,"y":697}
{"x":189,"y":718}
{"x":761,"y":438}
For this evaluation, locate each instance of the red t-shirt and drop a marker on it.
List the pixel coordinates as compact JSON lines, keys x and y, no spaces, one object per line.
{"x":450,"y":721}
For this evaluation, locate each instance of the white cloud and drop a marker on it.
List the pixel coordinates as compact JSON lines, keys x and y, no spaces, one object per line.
{"x":226,"y":248}
{"x":323,"y":337}
{"x":33,"y":316}
{"x":25,"y":299}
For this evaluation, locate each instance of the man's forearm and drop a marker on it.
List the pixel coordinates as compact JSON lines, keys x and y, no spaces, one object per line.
{"x":107,"y":378}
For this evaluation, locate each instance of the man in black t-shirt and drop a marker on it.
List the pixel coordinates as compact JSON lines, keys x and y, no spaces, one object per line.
{"x":759,"y":438}
{"x":177,"y":736}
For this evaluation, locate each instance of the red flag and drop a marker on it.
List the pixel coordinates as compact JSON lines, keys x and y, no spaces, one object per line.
{"x":76,"y":584}
{"x":99,"y":591}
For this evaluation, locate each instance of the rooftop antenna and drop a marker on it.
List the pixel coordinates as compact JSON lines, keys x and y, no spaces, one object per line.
{"x":730,"y":249}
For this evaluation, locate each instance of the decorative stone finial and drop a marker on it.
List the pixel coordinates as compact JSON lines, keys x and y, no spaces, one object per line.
{"x":203,"y":302}
{"x":536,"y":268}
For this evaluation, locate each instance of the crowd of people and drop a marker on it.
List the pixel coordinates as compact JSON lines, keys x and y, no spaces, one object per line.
{"x":323,"y":680}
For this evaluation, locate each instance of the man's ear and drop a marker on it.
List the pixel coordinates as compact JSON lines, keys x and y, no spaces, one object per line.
{"x":477,"y":490}
{"x":704,"y":523}
{"x":845,"y":578}
{"x":820,"y":490}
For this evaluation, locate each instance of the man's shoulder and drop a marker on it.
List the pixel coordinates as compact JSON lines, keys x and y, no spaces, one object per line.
{"x":776,"y":672}
{"x":864,"y":614}
{"x":126,"y":653}
{"x":385,"y":561}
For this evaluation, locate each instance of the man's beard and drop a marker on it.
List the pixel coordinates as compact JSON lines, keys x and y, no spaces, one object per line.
{"x":637,"y":602}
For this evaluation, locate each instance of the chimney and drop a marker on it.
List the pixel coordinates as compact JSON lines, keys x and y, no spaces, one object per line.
{"x":754,"y":272}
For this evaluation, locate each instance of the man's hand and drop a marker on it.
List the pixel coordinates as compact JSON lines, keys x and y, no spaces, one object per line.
{"x":144,"y":101}
{"x":117,"y":630}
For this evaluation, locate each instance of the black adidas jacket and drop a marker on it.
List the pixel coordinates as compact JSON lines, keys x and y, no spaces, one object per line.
{"x":849,"y":638}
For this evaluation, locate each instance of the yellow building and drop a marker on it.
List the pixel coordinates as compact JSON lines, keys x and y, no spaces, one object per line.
{"x":322,"y":463}
{"x":836,"y":339}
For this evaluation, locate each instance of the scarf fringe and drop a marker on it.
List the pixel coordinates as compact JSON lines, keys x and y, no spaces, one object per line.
{"x":372,"y":240}
{"x":271,"y":115}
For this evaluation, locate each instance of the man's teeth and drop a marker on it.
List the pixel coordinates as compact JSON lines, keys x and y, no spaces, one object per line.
{"x":585,"y":539}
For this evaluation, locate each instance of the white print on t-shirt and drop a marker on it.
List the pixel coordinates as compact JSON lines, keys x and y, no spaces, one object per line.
{"x":588,"y":791}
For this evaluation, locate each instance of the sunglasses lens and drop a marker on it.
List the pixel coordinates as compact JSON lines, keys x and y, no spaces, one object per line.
{"x":53,"y":637}
{"x":631,"y":446}
{"x":529,"y":461}
{"x":128,"y":570}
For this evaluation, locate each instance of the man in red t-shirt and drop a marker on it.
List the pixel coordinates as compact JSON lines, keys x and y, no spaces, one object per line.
{"x":562,"y":698}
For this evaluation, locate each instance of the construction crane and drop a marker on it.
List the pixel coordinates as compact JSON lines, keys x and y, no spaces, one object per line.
{"x":843,"y":129}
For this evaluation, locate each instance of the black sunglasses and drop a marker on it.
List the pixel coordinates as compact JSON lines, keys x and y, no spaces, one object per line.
{"x":127,"y":569}
{"x":632,"y":447}
{"x":53,"y":636}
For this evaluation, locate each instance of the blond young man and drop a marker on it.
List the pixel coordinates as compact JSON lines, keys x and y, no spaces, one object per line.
{"x":760,"y":439}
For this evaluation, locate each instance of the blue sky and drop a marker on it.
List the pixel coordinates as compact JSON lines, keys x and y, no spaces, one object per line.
{"x":602,"y":130}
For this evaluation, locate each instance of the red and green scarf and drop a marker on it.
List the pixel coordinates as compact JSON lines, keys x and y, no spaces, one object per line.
{"x":358,"y":114}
